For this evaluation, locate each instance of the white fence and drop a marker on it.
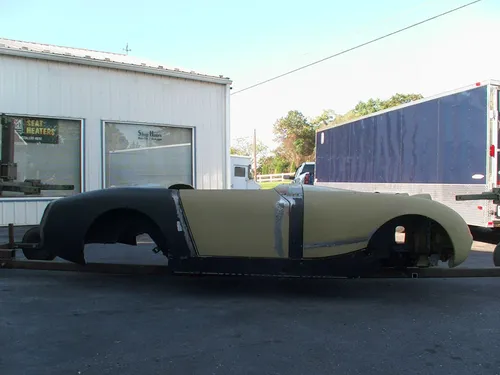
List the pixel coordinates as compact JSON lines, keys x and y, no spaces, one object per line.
{"x":273,"y":177}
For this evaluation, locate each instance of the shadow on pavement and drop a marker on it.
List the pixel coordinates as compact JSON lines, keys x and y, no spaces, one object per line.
{"x":410,"y":292}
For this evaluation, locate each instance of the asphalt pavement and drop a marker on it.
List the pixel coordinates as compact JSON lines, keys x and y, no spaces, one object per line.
{"x":55,"y":323}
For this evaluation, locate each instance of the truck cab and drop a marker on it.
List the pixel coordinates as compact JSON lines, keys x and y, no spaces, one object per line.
{"x":241,"y":173}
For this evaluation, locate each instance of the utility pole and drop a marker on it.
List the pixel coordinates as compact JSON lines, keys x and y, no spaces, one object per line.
{"x":255,"y":154}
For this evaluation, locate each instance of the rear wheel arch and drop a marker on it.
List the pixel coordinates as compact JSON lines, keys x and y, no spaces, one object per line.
{"x":123,"y":225}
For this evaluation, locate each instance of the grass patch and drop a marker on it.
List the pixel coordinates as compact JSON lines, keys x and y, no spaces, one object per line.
{"x":272,"y":185}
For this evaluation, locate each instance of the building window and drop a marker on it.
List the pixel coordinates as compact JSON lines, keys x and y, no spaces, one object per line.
{"x":48,"y":150}
{"x":239,"y":172}
{"x":147,"y":155}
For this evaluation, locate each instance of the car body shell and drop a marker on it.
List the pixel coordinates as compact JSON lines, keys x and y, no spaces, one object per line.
{"x":292,"y":223}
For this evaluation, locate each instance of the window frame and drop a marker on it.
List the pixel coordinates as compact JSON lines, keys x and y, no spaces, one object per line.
{"x":82,"y":164}
{"x":166,"y":125}
{"x":244,"y":171}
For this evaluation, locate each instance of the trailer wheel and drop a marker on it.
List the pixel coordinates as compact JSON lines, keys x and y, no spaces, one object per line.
{"x":496,"y":255}
{"x":32,"y":235}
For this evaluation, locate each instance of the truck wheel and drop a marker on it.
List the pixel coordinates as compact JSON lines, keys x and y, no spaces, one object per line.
{"x":32,"y":235}
{"x":496,"y":256}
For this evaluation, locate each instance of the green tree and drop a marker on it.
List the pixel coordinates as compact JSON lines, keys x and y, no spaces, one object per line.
{"x":266,"y":165}
{"x":326,"y":117}
{"x":399,"y":99}
{"x":375,"y":105}
{"x":367,"y":108}
{"x":296,"y":136}
{"x":244,"y":146}
{"x":370,"y":106}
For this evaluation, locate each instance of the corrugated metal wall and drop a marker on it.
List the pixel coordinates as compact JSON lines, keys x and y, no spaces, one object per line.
{"x":36,"y":87}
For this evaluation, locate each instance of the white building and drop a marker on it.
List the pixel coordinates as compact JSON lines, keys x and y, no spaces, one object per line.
{"x":96,"y":120}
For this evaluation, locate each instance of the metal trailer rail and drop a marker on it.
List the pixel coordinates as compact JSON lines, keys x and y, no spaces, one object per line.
{"x":493,"y":195}
{"x":135,"y":269}
{"x":8,"y":261}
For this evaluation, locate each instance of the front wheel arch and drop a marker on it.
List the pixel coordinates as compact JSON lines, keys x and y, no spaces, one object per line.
{"x":424,"y":236}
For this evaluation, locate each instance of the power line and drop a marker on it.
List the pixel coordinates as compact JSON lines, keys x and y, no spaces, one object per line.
{"x":358,"y":46}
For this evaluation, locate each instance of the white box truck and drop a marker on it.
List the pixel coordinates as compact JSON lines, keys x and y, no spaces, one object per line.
{"x":241,"y":173}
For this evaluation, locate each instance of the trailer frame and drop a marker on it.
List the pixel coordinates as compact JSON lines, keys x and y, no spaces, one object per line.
{"x":8,"y":260}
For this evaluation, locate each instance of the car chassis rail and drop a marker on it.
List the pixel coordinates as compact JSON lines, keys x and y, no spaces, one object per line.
{"x":8,"y":261}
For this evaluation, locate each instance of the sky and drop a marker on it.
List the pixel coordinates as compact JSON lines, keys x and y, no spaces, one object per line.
{"x":255,"y":40}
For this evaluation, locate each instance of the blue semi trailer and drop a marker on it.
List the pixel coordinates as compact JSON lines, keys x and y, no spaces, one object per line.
{"x":444,"y":145}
